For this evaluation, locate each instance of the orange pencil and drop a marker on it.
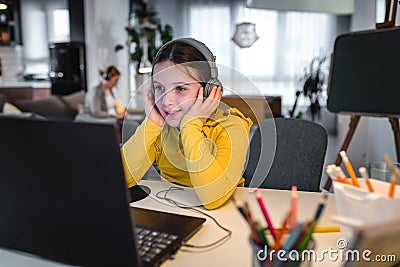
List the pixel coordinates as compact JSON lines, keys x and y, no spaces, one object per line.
{"x":364,"y":174}
{"x":349,"y":168}
{"x":330,"y":170}
{"x":392,"y":186}
{"x":340,"y":174}
{"x":282,"y":231}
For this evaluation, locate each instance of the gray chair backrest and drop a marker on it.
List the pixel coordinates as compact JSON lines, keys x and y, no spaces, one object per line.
{"x":297,"y":159}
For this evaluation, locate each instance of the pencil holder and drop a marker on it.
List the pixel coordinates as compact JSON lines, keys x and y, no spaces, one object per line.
{"x":367,"y":208}
{"x":262,"y":256}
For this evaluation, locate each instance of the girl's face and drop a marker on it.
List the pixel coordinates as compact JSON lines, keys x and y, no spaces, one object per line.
{"x":175,"y":92}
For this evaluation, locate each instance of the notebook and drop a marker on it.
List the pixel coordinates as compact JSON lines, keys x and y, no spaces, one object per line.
{"x":63,"y":197}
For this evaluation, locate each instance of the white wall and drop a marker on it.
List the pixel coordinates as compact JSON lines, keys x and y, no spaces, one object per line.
{"x":34,"y":30}
{"x":105,"y":23}
{"x":168,"y":15}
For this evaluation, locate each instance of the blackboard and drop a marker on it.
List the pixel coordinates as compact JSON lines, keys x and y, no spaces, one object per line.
{"x":365,"y":73}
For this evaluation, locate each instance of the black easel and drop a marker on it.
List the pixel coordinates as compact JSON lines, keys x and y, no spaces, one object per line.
{"x":391,"y":7}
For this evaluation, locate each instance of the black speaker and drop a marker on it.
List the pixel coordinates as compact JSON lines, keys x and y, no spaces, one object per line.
{"x":67,"y":67}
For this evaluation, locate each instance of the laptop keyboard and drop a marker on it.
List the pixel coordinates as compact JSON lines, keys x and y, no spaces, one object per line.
{"x":156,"y":247}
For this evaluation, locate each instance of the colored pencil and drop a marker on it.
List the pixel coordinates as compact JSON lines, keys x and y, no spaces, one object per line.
{"x":283,"y":230}
{"x":364,"y":174}
{"x":318,"y":229}
{"x":394,"y":169}
{"x":265,"y":213}
{"x":340,"y":173}
{"x":392,"y":186}
{"x":349,"y":168}
{"x":293,"y":208}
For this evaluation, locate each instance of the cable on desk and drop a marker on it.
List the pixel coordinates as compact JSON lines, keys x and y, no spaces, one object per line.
{"x":163,"y":194}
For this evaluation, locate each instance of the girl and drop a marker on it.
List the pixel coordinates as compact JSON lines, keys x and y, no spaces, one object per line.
{"x":193,"y":142}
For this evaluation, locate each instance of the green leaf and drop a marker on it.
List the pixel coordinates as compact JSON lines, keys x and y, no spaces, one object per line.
{"x":118,"y":47}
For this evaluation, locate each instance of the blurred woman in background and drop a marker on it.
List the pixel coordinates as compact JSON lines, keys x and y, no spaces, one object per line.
{"x":101,"y":100}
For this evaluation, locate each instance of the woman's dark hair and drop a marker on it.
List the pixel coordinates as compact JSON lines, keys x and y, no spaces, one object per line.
{"x":181,"y":53}
{"x":110,"y":72}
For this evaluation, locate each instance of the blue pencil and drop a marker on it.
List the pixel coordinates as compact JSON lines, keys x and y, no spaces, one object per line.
{"x":295,"y":234}
{"x":321,"y":206}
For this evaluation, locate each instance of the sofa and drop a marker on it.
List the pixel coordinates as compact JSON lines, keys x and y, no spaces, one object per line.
{"x":54,"y":107}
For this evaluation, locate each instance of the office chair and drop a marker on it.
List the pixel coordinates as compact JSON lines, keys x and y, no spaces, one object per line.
{"x":128,"y":129}
{"x":285,"y":152}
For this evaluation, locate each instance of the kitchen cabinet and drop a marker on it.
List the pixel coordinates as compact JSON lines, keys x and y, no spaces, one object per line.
{"x":10,"y":21}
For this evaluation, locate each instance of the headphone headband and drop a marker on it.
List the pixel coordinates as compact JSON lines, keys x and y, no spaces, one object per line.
{"x":107,"y":75}
{"x":109,"y":69}
{"x":203,"y":49}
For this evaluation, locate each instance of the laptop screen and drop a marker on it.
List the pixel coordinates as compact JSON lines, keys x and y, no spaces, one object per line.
{"x":62,"y":193}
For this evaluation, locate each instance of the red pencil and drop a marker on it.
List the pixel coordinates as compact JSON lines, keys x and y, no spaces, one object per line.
{"x":265,"y":213}
{"x":293,"y":208}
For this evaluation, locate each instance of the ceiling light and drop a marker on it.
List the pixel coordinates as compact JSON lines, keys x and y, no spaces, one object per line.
{"x":245,"y":34}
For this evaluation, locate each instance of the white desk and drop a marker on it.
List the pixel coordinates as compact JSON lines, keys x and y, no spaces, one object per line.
{"x":234,"y":252}
{"x":237,"y":251}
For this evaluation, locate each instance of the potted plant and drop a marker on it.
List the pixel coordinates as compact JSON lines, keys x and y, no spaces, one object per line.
{"x":313,"y":82}
{"x":145,"y":32}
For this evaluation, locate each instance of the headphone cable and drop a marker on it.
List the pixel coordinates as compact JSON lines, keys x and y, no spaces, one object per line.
{"x":194,"y":209}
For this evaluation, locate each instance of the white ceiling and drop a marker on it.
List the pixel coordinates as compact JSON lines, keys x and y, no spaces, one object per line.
{"x":340,"y":7}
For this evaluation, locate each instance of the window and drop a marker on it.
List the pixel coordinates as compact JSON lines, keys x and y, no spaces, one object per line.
{"x":61,"y":24}
{"x":287,"y":43}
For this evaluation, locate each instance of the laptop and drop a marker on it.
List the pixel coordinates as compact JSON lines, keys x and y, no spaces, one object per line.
{"x":63,"y":197}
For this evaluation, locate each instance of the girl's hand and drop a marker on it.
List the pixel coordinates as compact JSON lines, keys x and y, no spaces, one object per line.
{"x":150,"y":108}
{"x":203,"y":108}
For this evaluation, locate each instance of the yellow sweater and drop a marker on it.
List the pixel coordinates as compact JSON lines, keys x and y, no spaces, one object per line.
{"x":209,"y":157}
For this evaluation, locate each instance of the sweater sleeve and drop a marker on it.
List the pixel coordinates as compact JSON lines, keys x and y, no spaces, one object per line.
{"x":215,"y":165}
{"x":139,"y":152}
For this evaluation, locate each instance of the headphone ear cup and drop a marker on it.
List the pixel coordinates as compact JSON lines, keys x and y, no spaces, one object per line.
{"x":106,"y":76}
{"x":210,"y":85}
{"x":207,"y":89}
